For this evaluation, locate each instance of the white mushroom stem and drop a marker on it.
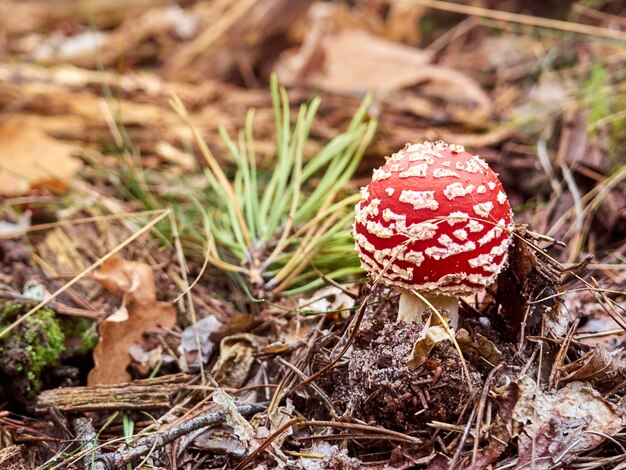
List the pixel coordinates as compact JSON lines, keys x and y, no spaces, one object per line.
{"x":413,"y":309}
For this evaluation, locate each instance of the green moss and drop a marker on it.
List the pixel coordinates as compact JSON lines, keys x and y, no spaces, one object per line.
{"x":81,"y":335}
{"x":9,"y":313}
{"x":44,"y":343}
{"x":33,"y":346}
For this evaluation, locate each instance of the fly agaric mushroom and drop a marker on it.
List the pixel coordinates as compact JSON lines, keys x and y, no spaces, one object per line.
{"x":434,"y":220}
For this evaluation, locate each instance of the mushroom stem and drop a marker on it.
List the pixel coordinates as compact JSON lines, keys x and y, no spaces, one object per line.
{"x":412,"y":308}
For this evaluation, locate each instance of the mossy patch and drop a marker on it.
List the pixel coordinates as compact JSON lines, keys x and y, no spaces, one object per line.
{"x":28,"y":350}
{"x":81,"y":336}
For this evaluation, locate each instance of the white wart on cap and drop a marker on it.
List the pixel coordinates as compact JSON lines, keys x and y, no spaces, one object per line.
{"x":435,"y":219}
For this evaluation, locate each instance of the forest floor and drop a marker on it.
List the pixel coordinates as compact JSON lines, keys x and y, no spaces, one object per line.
{"x":178,"y":281}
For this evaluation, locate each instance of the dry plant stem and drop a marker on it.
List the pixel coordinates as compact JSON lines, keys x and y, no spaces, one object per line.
{"x":86,"y":435}
{"x":528,"y":20}
{"x":412,"y":308}
{"x":118,"y":458}
{"x":165,"y":213}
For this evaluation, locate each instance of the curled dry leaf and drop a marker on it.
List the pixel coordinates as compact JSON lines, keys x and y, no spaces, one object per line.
{"x":235,"y":437}
{"x":242,"y":428}
{"x":266,"y":424}
{"x":424,"y":345}
{"x":477,"y":346}
{"x":141,"y":313}
{"x":557,"y":426}
{"x":236,"y":358}
{"x":204,"y":330}
{"x":30,"y":157}
{"x":600,"y":367}
{"x":220,"y":439}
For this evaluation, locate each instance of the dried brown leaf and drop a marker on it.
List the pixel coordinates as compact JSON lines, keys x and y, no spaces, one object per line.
{"x":30,"y":157}
{"x":351,"y":61}
{"x":127,"y":278}
{"x":140,"y":314}
{"x":236,"y":358}
{"x":600,"y":367}
{"x":557,"y":426}
{"x":477,"y":346}
{"x":423,"y":346}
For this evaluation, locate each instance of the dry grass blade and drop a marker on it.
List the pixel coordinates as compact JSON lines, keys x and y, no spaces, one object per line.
{"x":215,"y":167}
{"x":450,"y":333}
{"x":361,"y":427}
{"x":165,"y":213}
{"x":526,"y":20}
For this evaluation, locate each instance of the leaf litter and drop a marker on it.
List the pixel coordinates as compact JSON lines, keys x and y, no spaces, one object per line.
{"x":139,"y":314}
{"x":321,"y":378}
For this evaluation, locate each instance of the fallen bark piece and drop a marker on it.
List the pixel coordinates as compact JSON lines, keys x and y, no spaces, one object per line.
{"x":148,"y":394}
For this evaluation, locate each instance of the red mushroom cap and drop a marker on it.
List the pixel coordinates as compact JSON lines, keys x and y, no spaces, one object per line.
{"x":434,"y":218}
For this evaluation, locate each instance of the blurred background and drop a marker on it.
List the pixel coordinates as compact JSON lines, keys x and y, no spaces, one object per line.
{"x":538,"y":84}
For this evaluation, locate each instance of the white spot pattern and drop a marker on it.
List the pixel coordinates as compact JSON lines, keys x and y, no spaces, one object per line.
{"x":427,"y":239}
{"x":483,"y":209}
{"x":419,"y":199}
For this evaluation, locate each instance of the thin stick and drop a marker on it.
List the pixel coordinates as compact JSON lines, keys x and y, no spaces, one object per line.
{"x":361,"y":427}
{"x":527,"y":20}
{"x":244,"y":463}
{"x":86,"y":271}
{"x":114,"y":459}
{"x":82,"y":220}
{"x":481,"y":409}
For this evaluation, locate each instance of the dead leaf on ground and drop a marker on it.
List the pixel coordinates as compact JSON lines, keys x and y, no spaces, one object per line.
{"x":30,"y":157}
{"x":243,"y":429}
{"x":204,"y":329}
{"x":558,"y":426}
{"x":599,"y":366}
{"x":476,"y":346}
{"x":354,"y":61}
{"x":236,"y":358}
{"x":140,"y":313}
{"x":423,"y":346}
{"x":380,"y":65}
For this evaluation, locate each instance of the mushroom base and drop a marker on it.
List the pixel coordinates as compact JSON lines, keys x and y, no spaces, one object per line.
{"x":412,"y":309}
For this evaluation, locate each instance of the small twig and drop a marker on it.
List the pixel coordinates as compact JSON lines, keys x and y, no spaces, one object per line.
{"x":86,"y":271}
{"x":266,"y":443}
{"x":459,"y":449}
{"x":86,"y":435}
{"x":559,"y":360}
{"x":481,"y":409}
{"x":351,"y":436}
{"x":362,"y":427}
{"x":117,"y":458}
